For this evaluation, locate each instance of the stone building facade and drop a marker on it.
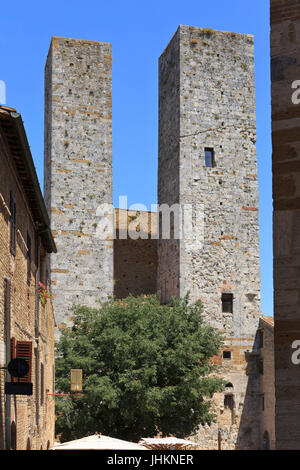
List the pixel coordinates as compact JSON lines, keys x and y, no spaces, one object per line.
{"x":78,"y":170}
{"x":207,"y":174}
{"x":26,"y":326}
{"x":285,"y":70}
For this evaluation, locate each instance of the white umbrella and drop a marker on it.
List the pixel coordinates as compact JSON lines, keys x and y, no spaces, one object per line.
{"x":169,"y":443}
{"x":98,"y":442}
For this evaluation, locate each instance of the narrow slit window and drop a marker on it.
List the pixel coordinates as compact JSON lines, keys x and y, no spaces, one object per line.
{"x":209,"y":157}
{"x":227,"y":303}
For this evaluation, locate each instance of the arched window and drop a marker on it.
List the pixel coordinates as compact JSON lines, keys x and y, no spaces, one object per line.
{"x":266,"y":441}
{"x":229,"y":385}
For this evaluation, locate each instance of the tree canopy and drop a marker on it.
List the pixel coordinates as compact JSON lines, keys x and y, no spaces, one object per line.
{"x":146,"y":369}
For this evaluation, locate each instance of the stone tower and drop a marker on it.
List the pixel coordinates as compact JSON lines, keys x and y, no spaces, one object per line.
{"x":207,"y":163}
{"x":78,"y":170}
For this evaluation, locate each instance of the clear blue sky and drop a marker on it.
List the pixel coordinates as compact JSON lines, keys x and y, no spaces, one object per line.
{"x":139,"y":31}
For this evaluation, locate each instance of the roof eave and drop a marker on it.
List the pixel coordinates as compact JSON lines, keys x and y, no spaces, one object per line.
{"x":44,"y":222}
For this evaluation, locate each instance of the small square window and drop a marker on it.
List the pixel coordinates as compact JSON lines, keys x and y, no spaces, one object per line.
{"x":226,"y":354}
{"x":209,"y":157}
{"x":227,"y":303}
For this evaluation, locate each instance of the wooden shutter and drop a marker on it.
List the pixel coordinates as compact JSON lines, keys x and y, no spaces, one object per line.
{"x":76,"y":380}
{"x":24,"y":351}
{"x":13,"y":224}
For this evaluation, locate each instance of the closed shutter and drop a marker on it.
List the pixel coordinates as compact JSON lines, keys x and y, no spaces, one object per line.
{"x":24,"y":351}
{"x":76,"y":380}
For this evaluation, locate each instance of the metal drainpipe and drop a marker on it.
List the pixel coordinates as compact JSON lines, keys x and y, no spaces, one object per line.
{"x":8,"y":379}
{"x":7,"y":417}
{"x":36,"y":314}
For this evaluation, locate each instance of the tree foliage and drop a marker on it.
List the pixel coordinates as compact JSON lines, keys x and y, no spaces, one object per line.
{"x":146,"y":369}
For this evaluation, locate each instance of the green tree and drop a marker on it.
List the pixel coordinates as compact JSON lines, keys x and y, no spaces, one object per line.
{"x":146,"y":369}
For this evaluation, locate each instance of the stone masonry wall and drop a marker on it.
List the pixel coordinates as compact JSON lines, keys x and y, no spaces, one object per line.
{"x":207,"y":100}
{"x":285,"y":69}
{"x":168,"y":270}
{"x":78,"y":171}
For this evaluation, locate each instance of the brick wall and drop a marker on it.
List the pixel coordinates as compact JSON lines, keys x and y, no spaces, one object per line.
{"x":135,"y":260}
{"x":25,"y":324}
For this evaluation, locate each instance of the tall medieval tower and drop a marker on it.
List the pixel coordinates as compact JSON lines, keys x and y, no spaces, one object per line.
{"x":207,"y":162}
{"x":78,"y":170}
